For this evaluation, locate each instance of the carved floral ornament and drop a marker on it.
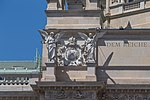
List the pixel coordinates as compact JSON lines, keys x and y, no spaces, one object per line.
{"x":70,"y":53}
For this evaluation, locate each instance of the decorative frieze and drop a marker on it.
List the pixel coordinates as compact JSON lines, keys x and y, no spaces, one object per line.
{"x":76,"y":94}
{"x":128,"y":94}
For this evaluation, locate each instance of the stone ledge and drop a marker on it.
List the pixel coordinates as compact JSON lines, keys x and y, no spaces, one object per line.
{"x":129,"y":86}
{"x":48,"y":83}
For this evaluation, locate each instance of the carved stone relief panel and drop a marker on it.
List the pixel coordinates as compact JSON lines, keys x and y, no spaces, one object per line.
{"x":128,"y":96}
{"x":67,"y":95}
{"x":70,"y":54}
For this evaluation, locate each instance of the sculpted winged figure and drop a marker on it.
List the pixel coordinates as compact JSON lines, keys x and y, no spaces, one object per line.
{"x":89,"y":45}
{"x":50,"y":39}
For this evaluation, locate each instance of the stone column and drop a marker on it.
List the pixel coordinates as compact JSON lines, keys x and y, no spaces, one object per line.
{"x":107,"y":6}
{"x":107,"y":14}
{"x":60,"y":4}
{"x":91,"y":72}
{"x":142,"y":5}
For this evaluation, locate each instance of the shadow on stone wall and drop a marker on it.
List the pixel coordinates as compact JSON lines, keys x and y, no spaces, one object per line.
{"x":101,"y":74}
{"x":61,"y":75}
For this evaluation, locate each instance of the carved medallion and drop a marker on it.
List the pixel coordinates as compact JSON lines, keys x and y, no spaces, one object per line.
{"x":70,"y":54}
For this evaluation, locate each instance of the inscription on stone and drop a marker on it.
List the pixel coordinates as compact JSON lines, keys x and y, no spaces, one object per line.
{"x":128,"y":44}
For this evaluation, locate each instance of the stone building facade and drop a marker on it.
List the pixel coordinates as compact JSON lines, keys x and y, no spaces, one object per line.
{"x":119,"y":12}
{"x":92,"y":50}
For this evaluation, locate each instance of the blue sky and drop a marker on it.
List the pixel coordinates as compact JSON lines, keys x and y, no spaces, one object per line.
{"x":19,"y":22}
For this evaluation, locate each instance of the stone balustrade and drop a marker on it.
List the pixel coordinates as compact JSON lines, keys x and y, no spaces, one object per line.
{"x":121,"y":7}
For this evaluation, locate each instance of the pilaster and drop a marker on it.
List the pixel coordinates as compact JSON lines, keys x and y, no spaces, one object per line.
{"x":49,"y":73}
{"x":44,"y":54}
{"x":91,"y":72}
{"x":91,"y":4}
